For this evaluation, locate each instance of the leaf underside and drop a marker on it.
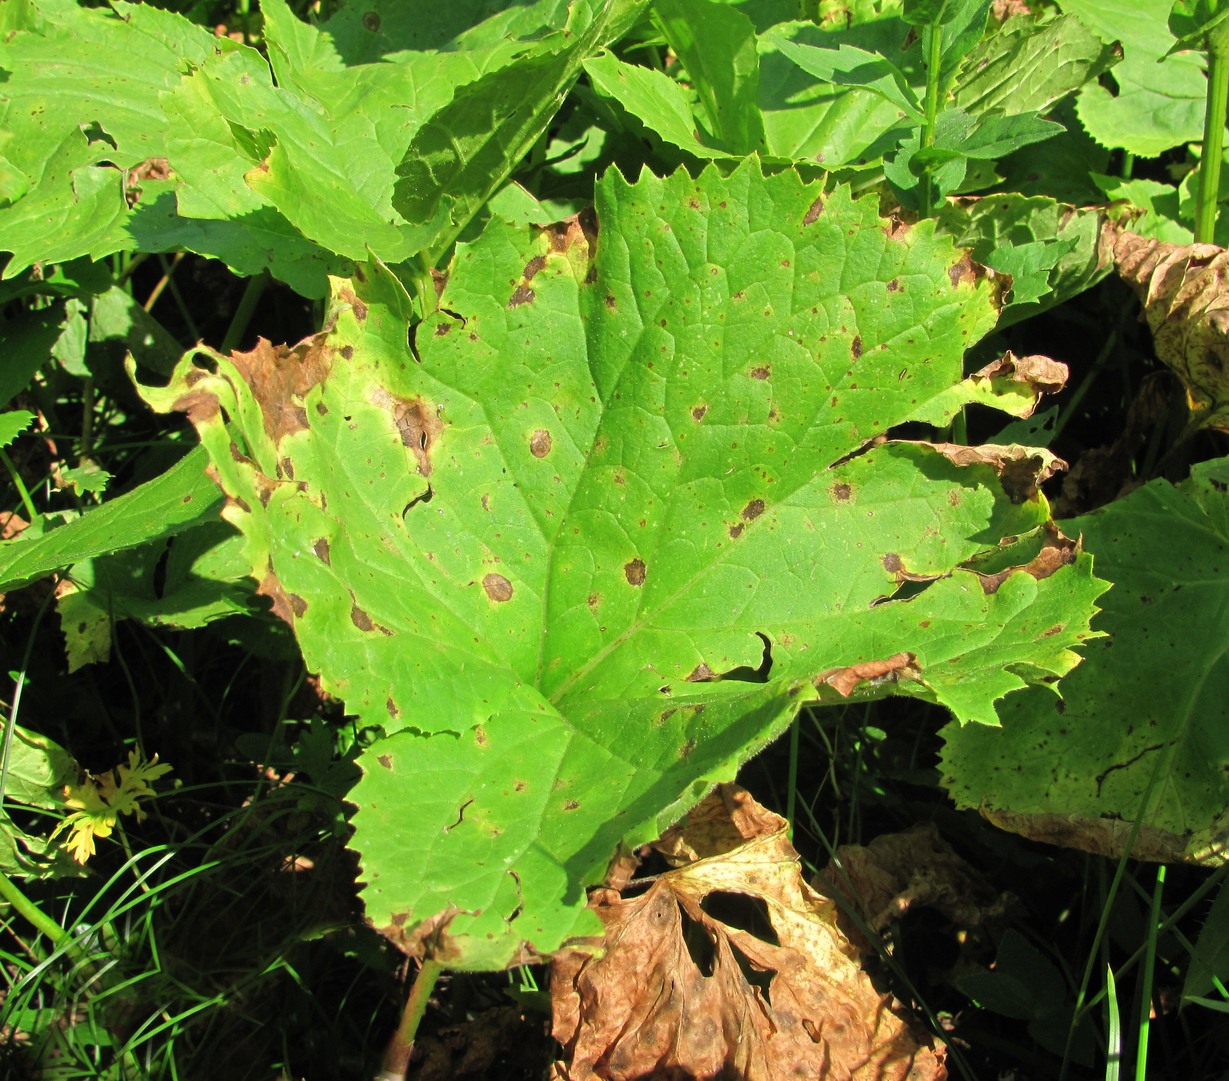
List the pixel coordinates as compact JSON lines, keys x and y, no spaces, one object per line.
{"x":620,"y":511}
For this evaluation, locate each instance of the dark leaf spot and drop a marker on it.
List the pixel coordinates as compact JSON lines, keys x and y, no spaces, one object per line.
{"x":497,"y":587}
{"x":701,"y":674}
{"x":443,"y":328}
{"x":533,"y":266}
{"x":635,"y":572}
{"x":841,"y":492}
{"x":360,"y":618}
{"x":385,"y":760}
{"x":360,"y":309}
{"x":522,"y":295}
{"x":321,"y":548}
{"x":892,"y":563}
{"x":894,"y":286}
{"x":610,"y":302}
{"x":813,"y":213}
{"x":298,"y":604}
{"x":571,"y":805}
{"x":347,"y":351}
{"x":371,"y":21}
{"x":762,"y":372}
{"x":697,"y":412}
{"x":753,"y":510}
{"x":539,"y":443}
{"x":855,"y":347}
{"x":736,"y":530}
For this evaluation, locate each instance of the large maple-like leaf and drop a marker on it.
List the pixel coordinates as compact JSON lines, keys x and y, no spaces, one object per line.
{"x":625,"y":505}
{"x":678,"y":992}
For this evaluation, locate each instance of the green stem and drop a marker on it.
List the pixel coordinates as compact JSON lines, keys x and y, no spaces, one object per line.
{"x":401,"y":1046}
{"x":1213,"y":141}
{"x":34,"y":915}
{"x":934,"y":59}
{"x":22,"y":491}
{"x":1145,"y":1005}
{"x":243,"y":313}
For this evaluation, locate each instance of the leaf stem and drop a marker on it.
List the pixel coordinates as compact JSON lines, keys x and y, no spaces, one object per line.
{"x":1213,"y":137}
{"x":934,"y":60}
{"x":34,"y":915}
{"x":252,"y":293}
{"x":401,"y":1046}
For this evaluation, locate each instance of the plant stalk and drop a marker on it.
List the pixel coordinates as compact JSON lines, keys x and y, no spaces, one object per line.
{"x":1213,"y":140}
{"x":934,"y":60}
{"x":401,"y":1046}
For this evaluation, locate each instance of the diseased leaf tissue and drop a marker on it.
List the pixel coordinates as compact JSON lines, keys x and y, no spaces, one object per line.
{"x":632,"y":501}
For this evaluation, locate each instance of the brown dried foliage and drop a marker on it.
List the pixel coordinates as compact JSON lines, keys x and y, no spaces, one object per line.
{"x":788,"y":1002}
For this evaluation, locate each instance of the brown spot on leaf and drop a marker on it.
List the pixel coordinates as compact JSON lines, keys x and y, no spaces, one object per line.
{"x":761,"y":372}
{"x":634,"y":572}
{"x":360,"y":618}
{"x":813,"y":212}
{"x":521,"y":295}
{"x":1057,"y":551}
{"x":571,"y":805}
{"x":444,"y":328}
{"x":280,"y":379}
{"x":419,"y":427}
{"x":385,"y":760}
{"x":894,"y":285}
{"x":297,"y":604}
{"x":855,"y":347}
{"x":753,"y":510}
{"x":892,"y":563}
{"x":593,"y":599}
{"x":321,"y":550}
{"x":841,"y":492}
{"x":347,"y":351}
{"x":540,"y":443}
{"x":533,"y":266}
{"x":736,"y":530}
{"x":497,"y":587}
{"x":697,"y":412}
{"x":962,"y":272}
{"x":701,"y":674}
{"x":611,"y":303}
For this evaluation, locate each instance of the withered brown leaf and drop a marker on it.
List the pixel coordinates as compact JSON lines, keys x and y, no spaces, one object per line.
{"x":677,"y":993}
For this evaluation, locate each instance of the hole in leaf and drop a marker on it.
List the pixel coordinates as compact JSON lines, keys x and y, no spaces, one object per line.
{"x":742,"y":912}
{"x":699,"y":944}
{"x":424,"y":497}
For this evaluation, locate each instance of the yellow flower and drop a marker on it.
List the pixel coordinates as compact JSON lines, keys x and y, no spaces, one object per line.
{"x":99,"y":801}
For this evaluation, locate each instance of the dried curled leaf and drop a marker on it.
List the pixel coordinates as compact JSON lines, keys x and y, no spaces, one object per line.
{"x":677,"y":992}
{"x":1181,"y":287}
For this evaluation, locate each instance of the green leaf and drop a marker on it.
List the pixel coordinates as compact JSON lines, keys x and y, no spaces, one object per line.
{"x":825,"y":122}
{"x":13,"y":423}
{"x":162,"y":507}
{"x":619,"y":516}
{"x":1162,"y":218}
{"x":717,"y":47}
{"x":1194,"y":21}
{"x":468,"y":149}
{"x":1156,"y":106}
{"x":1029,"y":65}
{"x":653,"y":98}
{"x":1137,"y":732}
{"x":1053,"y":251}
{"x":852,"y":67}
{"x":1210,"y":957}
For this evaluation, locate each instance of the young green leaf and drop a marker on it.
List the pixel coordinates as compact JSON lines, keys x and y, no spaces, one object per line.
{"x":1156,"y":106}
{"x":717,"y":47}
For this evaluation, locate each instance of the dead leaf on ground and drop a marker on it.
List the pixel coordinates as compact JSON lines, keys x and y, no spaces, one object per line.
{"x":680,"y":993}
{"x":1186,"y":304}
{"x":901,"y":871}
